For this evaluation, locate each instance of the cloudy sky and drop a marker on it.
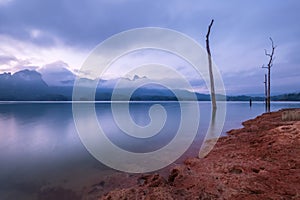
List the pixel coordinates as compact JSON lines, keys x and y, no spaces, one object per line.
{"x":36,"y":34}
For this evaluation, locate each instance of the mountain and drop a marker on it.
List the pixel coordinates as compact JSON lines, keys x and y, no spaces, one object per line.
{"x":24,"y":77}
{"x":123,"y":82}
{"x":245,"y":98}
{"x":28,"y":85}
{"x":57,"y":74}
{"x":281,"y":97}
{"x":22,"y":85}
{"x":286,"y":97}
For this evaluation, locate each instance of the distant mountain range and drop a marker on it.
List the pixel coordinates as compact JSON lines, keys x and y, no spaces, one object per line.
{"x":30,"y":85}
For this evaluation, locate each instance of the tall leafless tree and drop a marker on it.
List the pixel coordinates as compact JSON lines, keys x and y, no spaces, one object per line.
{"x":270,"y":64}
{"x":266,"y":91}
{"x":211,"y":76}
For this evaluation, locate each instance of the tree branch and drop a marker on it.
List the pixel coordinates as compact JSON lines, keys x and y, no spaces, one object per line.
{"x":263,"y":66}
{"x":267,"y":54}
{"x":209,"y":27}
{"x":273,"y":47}
{"x":271,"y":41}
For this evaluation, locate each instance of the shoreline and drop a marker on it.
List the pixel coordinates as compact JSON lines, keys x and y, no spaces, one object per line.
{"x":259,"y":160}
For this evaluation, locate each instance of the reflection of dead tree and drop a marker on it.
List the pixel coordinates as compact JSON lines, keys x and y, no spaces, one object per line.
{"x":212,"y":84}
{"x":270,"y":63}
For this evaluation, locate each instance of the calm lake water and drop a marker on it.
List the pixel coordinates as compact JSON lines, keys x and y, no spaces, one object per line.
{"x":40,"y":147}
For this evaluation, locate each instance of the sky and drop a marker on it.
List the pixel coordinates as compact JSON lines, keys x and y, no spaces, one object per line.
{"x":38,"y":34}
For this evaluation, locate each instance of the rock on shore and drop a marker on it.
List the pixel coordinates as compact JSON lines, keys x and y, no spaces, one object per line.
{"x":259,"y":161}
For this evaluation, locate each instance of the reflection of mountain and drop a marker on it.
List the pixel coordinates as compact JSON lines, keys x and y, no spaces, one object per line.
{"x":30,"y":85}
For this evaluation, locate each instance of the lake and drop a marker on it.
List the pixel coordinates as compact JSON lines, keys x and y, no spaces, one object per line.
{"x":40,"y":147}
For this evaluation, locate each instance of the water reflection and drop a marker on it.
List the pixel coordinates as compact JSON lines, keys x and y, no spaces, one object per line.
{"x":39,"y":145}
{"x":140,"y":115}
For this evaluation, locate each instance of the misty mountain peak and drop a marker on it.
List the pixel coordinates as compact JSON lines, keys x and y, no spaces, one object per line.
{"x":27,"y":75}
{"x":137,"y":77}
{"x":57,"y":66}
{"x":57,"y":74}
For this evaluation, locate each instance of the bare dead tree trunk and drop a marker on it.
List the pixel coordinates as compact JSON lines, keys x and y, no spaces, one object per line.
{"x":211,"y":76}
{"x":266,"y":92}
{"x":270,"y":64}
